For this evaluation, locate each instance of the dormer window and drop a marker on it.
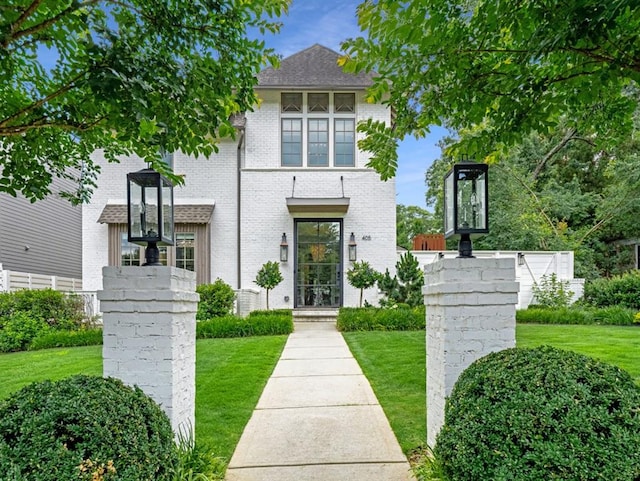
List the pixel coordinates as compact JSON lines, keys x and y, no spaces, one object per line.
{"x":317,"y":129}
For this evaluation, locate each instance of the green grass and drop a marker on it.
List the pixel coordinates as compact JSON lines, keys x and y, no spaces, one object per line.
{"x":231,"y":373}
{"x":617,"y":345}
{"x":18,"y":369}
{"x":394,"y":363}
{"x":230,"y":376}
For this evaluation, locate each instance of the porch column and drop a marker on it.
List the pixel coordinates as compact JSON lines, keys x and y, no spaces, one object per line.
{"x":470,"y":311}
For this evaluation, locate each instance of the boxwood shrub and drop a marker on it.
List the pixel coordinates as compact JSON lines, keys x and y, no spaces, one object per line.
{"x":381,"y":319}
{"x":84,"y":428}
{"x":257,"y":323}
{"x":543,"y":413}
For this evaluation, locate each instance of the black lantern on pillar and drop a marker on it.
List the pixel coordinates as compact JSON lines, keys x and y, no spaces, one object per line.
{"x":353,"y":254}
{"x":466,"y":204}
{"x":150,"y":212}
{"x":284,"y":248}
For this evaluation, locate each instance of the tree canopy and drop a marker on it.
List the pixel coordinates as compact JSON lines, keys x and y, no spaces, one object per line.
{"x":548,"y":194}
{"x":129,"y":77}
{"x":494,"y":71}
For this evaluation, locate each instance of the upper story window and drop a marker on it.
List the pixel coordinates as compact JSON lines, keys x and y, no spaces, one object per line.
{"x":317,"y":129}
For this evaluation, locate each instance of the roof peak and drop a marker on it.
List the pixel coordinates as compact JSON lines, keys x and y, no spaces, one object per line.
{"x":313,"y":67}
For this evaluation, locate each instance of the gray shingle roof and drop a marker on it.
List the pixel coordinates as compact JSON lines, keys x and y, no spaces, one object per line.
{"x":182,"y":214}
{"x":313,"y":68}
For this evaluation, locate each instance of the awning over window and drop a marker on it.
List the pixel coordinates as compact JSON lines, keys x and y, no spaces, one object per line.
{"x":182,"y":214}
{"x":317,"y":205}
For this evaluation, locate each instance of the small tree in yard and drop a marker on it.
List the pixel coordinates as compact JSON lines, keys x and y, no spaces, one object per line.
{"x":269,"y":276}
{"x":406,"y":287}
{"x":362,"y":276}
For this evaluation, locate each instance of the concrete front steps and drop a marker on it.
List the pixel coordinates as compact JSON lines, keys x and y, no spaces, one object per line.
{"x":315,"y":315}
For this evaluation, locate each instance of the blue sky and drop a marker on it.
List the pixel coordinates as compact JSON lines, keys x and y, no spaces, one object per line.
{"x":330,"y":22}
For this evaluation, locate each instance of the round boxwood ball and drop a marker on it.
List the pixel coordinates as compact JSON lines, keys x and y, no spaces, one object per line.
{"x":84,"y":428}
{"x":544,"y":413}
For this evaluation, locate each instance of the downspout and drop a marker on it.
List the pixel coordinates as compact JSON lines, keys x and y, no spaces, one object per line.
{"x":239,"y":206}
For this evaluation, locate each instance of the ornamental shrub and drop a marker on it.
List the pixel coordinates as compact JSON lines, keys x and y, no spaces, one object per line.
{"x":362,"y":276}
{"x":543,"y":413}
{"x":58,"y":309}
{"x":19,"y":329}
{"x":623,"y":291}
{"x":84,"y":428}
{"x":216,"y":300}
{"x":551,"y":292}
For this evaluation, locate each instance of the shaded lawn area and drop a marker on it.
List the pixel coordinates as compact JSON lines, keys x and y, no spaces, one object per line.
{"x":394,"y":363}
{"x":230,"y":376}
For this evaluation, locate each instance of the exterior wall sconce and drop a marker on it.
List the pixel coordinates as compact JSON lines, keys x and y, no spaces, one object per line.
{"x":150,"y":212}
{"x":353,"y":254}
{"x":520,"y":259}
{"x":284,"y":249}
{"x":466,"y":204}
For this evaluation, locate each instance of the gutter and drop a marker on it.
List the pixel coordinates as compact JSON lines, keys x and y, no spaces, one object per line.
{"x":239,"y":207}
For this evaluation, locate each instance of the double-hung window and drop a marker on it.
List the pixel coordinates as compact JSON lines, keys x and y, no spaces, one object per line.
{"x":317,"y":129}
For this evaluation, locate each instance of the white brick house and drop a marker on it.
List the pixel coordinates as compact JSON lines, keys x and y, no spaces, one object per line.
{"x":294,"y":168}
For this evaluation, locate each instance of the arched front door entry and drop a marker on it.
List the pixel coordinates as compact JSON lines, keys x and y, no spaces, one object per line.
{"x":318,"y":257}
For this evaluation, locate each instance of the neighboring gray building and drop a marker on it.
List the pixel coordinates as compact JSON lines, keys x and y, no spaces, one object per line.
{"x":44,"y":237}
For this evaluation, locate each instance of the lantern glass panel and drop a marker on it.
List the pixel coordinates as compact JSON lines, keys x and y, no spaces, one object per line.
{"x":471,"y":200}
{"x":149,"y":206}
{"x":167,"y":212}
{"x":449,"y":215}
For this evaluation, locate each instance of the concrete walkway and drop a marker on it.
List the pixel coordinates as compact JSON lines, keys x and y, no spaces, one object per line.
{"x":318,"y":419}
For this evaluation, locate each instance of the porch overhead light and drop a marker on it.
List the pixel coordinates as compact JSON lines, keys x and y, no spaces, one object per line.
{"x":150,"y":212}
{"x":466,"y":204}
{"x":353,"y":255}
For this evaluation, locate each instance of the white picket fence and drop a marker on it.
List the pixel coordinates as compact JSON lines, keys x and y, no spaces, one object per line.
{"x":531,"y":266}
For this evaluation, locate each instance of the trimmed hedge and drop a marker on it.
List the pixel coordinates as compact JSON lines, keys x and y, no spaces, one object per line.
{"x":612,"y":316}
{"x":83,"y":337}
{"x":257,"y":323}
{"x":84,"y":428}
{"x":381,"y":319}
{"x":543,"y":413}
{"x":623,"y":291}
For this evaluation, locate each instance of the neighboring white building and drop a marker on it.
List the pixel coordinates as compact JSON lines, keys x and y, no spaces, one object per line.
{"x":294,"y":168}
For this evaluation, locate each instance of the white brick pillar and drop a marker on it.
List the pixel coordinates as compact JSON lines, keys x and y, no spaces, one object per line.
{"x":471,"y":312}
{"x":149,"y":327}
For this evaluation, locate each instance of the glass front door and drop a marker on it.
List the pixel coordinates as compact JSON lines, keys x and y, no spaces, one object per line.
{"x":318,"y":263}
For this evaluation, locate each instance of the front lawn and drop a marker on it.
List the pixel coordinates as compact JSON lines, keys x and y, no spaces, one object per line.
{"x":230,"y":376}
{"x":394,"y":363}
{"x":231,"y":373}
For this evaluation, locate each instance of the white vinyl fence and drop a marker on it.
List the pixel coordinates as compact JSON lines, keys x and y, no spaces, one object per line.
{"x":13,"y":281}
{"x":531,"y":266}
